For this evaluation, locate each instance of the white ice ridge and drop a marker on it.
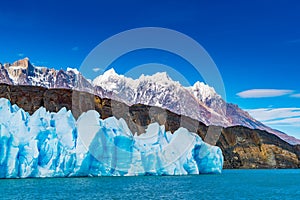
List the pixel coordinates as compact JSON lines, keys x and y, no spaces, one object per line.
{"x":56,"y":145}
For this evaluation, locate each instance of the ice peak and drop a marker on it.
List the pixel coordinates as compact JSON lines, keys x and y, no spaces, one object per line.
{"x":157,"y":77}
{"x":203,"y":92}
{"x":110,"y":72}
{"x":198,"y":84}
{"x":162,"y":76}
{"x":108,"y":76}
{"x":204,"y":87}
{"x":73,"y":70}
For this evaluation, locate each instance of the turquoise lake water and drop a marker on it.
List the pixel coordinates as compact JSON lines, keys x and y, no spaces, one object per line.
{"x":231,"y":184}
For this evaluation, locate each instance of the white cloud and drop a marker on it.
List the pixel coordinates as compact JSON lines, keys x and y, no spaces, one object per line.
{"x":263,"y":93}
{"x":296,"y":95}
{"x":96,"y":69}
{"x":75,"y":48}
{"x":21,"y":54}
{"x":277,"y":116}
{"x":285,"y":122}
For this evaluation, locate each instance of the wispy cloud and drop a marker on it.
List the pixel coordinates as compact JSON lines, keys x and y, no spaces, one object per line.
{"x":296,"y":95}
{"x":293,"y":122}
{"x":277,"y":116}
{"x":75,"y":48}
{"x":263,"y":93}
{"x":21,"y":54}
{"x":265,"y":114}
{"x":96,"y":69}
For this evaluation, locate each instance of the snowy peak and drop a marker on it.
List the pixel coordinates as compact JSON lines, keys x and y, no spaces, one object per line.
{"x":158,"y":90}
{"x":203,"y":92}
{"x":110,"y":72}
{"x":111,"y":81}
{"x":109,"y":75}
{"x":74,"y":70}
{"x":203,"y":87}
{"x":112,"y":77}
{"x":159,"y":76}
{"x":114,"y":82}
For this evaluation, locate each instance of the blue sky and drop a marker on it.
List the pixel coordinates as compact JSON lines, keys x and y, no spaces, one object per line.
{"x":255,"y":44}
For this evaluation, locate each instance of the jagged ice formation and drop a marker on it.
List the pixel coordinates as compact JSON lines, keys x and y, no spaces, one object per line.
{"x":56,"y":145}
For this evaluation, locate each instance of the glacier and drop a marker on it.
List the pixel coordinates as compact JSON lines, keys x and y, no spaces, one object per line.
{"x":53,"y":144}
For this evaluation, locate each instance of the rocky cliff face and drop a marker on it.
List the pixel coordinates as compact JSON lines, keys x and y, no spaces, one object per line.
{"x":247,"y":148}
{"x":242,"y":147}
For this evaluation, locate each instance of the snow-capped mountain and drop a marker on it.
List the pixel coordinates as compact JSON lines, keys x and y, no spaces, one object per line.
{"x":199,"y":101}
{"x":157,"y":90}
{"x":22,"y":72}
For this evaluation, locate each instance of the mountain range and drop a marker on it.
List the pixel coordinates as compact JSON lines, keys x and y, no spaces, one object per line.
{"x":199,"y":101}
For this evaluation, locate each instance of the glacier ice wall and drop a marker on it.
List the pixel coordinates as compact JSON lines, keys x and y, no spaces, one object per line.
{"x":56,"y":145}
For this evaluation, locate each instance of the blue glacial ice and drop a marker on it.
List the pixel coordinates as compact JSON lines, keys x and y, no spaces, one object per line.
{"x":56,"y":145}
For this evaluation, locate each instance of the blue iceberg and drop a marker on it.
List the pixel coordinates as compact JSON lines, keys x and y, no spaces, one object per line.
{"x":48,"y":144}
